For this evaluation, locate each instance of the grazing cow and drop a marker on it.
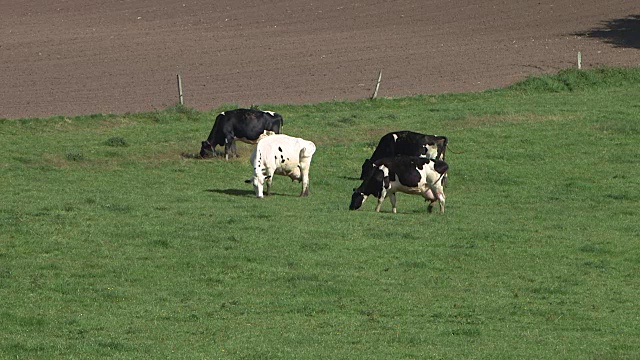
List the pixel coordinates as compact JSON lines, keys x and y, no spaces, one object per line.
{"x":281,"y":155}
{"x":245,"y":125}
{"x":406,"y":143}
{"x":407,"y":174}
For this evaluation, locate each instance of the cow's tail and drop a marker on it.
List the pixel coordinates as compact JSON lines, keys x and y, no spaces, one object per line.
{"x":308,"y":150}
{"x":281,"y":124}
{"x":303,"y":153}
{"x":455,"y":152}
{"x":445,"y":144}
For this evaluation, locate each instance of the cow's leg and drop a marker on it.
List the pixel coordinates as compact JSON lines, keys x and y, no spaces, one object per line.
{"x":379,"y":205}
{"x":441,"y":201}
{"x":233,"y":148}
{"x":428,"y":196}
{"x":259,"y":190}
{"x":383,"y":195}
{"x":304,"y":174}
{"x":380,"y":201}
{"x":267,"y":181}
{"x":392,"y":197}
{"x":432,"y":195}
{"x":430,"y":206}
{"x":229,"y":146}
{"x":226,"y":151}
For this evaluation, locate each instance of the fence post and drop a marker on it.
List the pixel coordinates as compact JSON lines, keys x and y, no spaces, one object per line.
{"x":579,"y":60}
{"x":180,"y":90}
{"x":375,"y":93}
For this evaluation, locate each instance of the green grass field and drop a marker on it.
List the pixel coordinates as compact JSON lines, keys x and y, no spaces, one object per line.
{"x":113,"y":244}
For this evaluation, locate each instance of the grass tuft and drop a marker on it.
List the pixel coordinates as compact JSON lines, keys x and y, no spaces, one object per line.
{"x":116,"y":141}
{"x":75,"y":156}
{"x":575,"y":80}
{"x":178,"y":112}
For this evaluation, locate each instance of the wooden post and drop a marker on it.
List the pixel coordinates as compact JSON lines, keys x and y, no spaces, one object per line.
{"x":579,"y":60}
{"x":375,"y":93}
{"x":180,"y":90}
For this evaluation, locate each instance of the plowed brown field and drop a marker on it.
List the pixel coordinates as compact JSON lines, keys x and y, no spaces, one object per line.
{"x":65,"y":57}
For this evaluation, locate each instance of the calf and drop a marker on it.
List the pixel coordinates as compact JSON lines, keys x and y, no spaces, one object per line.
{"x":406,"y":143}
{"x":407,"y":174}
{"x":281,"y":155}
{"x":245,"y":125}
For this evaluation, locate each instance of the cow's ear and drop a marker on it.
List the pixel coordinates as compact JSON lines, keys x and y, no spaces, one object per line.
{"x":248,"y":181}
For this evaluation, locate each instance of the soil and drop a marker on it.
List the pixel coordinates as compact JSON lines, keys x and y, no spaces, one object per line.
{"x":68,"y":58}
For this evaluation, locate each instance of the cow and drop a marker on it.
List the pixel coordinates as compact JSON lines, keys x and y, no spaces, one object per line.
{"x":245,"y":125}
{"x":281,"y":155}
{"x":406,"y":143}
{"x":407,"y":174}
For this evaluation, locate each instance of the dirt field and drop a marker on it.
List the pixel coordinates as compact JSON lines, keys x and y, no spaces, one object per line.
{"x":64,"y":57}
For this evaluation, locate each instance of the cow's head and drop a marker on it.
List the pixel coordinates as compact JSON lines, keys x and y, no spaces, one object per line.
{"x":258,"y":184}
{"x":357,"y":199}
{"x":206,"y":149}
{"x":372,"y":185}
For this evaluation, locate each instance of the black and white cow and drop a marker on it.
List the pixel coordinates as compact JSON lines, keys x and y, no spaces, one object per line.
{"x":245,"y":125}
{"x":406,"y":143}
{"x":407,"y":174}
{"x":281,"y":155}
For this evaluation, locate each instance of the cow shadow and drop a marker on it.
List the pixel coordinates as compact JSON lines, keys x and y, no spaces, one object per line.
{"x":216,"y":154}
{"x":233,"y":192}
{"x":245,"y":193}
{"x":194,"y":156}
{"x":623,"y":32}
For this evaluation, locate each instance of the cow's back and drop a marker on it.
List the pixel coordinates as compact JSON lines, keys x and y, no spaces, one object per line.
{"x":409,"y":143}
{"x":245,"y":124}
{"x":387,"y":145}
{"x":274,"y":149}
{"x":290,"y":147}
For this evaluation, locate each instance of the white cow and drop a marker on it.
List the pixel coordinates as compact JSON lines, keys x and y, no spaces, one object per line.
{"x":281,"y":155}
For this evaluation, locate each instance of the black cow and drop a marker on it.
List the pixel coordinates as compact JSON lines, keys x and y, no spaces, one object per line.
{"x":245,"y":125}
{"x":406,"y":143}
{"x":407,"y":174}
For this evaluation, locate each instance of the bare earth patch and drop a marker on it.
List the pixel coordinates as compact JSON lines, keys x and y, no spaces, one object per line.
{"x":69,"y":58}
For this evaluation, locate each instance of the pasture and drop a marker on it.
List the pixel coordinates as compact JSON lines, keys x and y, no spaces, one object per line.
{"x":114,"y":243}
